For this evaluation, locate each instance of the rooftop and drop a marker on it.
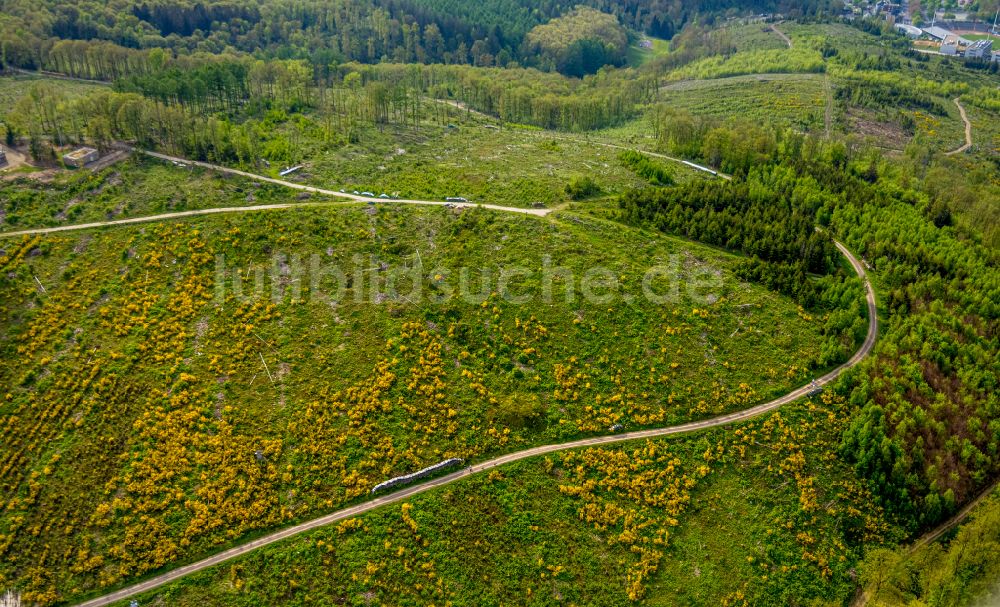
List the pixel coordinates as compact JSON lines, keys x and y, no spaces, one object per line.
{"x":937,"y":32}
{"x":80,"y":153}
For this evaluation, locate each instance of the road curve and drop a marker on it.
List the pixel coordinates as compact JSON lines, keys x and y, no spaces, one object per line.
{"x":968,"y":131}
{"x":333,"y":517}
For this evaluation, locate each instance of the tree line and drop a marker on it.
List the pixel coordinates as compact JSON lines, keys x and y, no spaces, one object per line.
{"x":925,"y":432}
{"x":490,"y":33}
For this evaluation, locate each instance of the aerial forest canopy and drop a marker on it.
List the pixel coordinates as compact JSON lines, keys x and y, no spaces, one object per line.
{"x":581,"y":42}
{"x":368,"y":31}
{"x":843,"y":187}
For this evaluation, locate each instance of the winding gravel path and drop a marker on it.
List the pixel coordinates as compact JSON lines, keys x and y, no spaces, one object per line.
{"x":781,"y":34}
{"x":968,"y":130}
{"x":478,"y":468}
{"x":260,"y":207}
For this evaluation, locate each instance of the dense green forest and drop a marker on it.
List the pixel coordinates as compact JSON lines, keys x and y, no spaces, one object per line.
{"x":960,"y":571}
{"x":927,"y":432}
{"x":402,"y":31}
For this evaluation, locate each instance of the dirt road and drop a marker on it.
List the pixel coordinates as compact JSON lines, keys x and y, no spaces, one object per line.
{"x":14,"y":158}
{"x":781,"y":34}
{"x":481,"y":467}
{"x":968,"y":130}
{"x":262,"y":207}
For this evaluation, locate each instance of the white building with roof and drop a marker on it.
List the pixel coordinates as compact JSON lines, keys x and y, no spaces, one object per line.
{"x":980,"y":49}
{"x":949,"y":46}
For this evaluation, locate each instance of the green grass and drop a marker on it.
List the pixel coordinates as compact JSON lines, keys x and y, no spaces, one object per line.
{"x":751,"y":37}
{"x":985,"y":129}
{"x":14,"y":88}
{"x":515,"y":167}
{"x":135,"y":187}
{"x":638,"y":56}
{"x":797,"y":60}
{"x":139,"y":396}
{"x":797,"y":100}
{"x":979,"y":37}
{"x":842,"y":34}
{"x":944,"y":133}
{"x":518,"y":536}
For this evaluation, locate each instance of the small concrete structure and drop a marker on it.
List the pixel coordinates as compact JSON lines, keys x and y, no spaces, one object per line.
{"x":81,"y":157}
{"x":3,"y":158}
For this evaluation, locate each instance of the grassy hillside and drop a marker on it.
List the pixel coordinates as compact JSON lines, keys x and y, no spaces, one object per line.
{"x":797,"y":100}
{"x":759,"y":516}
{"x":171,"y":388}
{"x":148,"y":356}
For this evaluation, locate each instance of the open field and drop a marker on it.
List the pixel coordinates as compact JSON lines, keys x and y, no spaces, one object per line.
{"x":796,"y":100}
{"x":518,"y":167}
{"x":752,"y":37}
{"x":124,"y":329}
{"x":514,"y":167}
{"x":639,"y":55}
{"x":14,"y":88}
{"x":536,"y":533}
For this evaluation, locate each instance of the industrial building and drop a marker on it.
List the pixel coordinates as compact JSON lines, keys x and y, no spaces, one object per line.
{"x":980,"y":49}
